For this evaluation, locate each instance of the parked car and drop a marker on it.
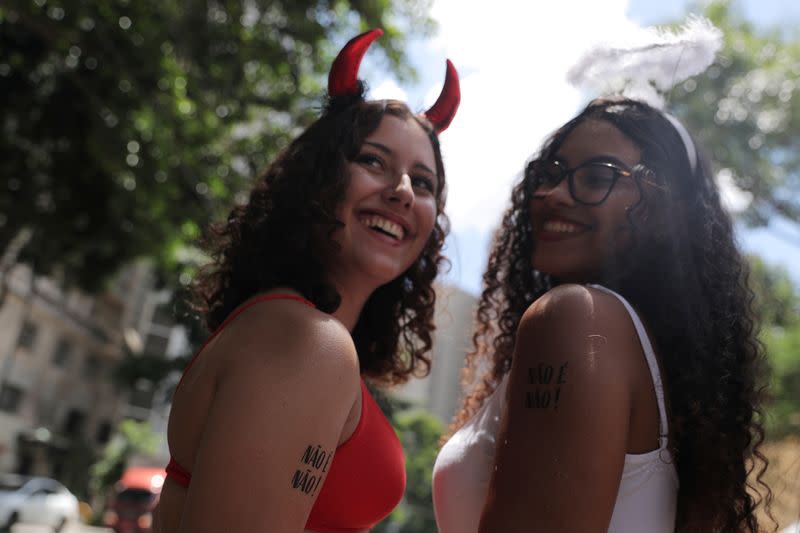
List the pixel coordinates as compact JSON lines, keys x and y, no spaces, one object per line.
{"x":794,"y":528}
{"x":130,"y":509}
{"x":35,"y":500}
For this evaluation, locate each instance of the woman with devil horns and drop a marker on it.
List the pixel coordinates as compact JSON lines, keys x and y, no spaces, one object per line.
{"x":324,"y":278}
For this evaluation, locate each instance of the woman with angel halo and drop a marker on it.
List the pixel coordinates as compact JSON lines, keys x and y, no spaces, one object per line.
{"x":616,"y":376}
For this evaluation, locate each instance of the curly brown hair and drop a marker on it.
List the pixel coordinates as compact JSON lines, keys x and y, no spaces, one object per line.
{"x":282,"y":236}
{"x":689,"y":281}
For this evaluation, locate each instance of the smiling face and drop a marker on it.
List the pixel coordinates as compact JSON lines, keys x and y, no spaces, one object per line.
{"x":573,"y":241}
{"x":390,"y":204}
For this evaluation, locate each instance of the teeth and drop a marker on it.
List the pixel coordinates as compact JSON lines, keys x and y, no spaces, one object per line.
{"x":392,"y":228}
{"x":561,"y":227}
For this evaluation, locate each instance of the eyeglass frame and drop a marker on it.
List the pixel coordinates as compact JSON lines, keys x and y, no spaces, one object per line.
{"x":569,"y":173}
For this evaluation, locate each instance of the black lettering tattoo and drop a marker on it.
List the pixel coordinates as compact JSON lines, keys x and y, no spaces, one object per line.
{"x":545,"y":394}
{"x":305,"y":482}
{"x":308,"y":478}
{"x":537,"y":399}
{"x":314,"y":456}
{"x":327,"y":462}
{"x":541,"y":375}
{"x":561,"y":374}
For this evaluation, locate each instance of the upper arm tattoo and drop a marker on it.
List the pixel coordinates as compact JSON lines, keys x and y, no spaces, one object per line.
{"x":544,"y":386}
{"x":314,"y":464}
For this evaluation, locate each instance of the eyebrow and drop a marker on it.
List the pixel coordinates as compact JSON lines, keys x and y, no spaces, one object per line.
{"x":385,"y":149}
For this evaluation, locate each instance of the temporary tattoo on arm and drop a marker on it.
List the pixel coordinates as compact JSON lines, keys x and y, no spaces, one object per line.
{"x":545,"y":382}
{"x":315,"y":462}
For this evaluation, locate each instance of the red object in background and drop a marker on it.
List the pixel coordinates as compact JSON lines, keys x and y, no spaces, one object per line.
{"x":135,"y":495}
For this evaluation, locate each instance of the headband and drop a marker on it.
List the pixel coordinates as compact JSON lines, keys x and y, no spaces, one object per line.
{"x":688,"y":143}
{"x":343,"y":80}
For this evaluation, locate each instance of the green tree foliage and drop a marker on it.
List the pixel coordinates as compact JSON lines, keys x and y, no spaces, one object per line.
{"x":132,"y":437}
{"x":419,"y":432}
{"x":153,"y":368}
{"x":783,"y":348}
{"x":776,"y":297}
{"x":746,"y":111}
{"x":128,"y":125}
{"x":777,"y":302}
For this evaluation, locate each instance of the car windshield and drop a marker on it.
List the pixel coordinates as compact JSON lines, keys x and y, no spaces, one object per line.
{"x":10,"y":484}
{"x":135,"y":496}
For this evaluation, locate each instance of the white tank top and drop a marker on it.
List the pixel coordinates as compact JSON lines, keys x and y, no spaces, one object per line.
{"x":648,"y":492}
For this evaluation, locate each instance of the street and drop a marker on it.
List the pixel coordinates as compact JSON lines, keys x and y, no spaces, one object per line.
{"x":70,"y":528}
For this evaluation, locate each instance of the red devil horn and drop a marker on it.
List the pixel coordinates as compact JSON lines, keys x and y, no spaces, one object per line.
{"x":443,"y":111}
{"x":343,"y":77}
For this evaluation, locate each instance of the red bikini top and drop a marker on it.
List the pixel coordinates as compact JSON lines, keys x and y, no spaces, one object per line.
{"x":367,"y":476}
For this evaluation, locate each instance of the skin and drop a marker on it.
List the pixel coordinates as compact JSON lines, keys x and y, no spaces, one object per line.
{"x":576,"y":344}
{"x":597,"y":232}
{"x":394,"y":176}
{"x":283,"y":377}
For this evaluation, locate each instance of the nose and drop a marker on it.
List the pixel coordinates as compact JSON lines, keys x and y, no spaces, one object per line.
{"x":558,"y":195}
{"x":400,"y":192}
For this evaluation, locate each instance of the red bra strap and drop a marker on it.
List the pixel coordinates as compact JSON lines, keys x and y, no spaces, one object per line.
{"x":178,"y":473}
{"x":242,"y":308}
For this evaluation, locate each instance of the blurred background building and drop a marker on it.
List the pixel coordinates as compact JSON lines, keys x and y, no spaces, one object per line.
{"x":59,"y":348}
{"x":440,"y":392}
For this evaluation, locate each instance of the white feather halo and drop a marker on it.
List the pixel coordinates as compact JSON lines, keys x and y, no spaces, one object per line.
{"x":652,"y":64}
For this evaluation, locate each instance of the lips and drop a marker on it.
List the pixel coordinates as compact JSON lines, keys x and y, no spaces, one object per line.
{"x":559,"y":228}
{"x":386,"y":224}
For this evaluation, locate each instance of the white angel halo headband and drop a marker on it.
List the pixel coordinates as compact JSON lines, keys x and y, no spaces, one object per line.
{"x":652,"y":66}
{"x":688,"y":143}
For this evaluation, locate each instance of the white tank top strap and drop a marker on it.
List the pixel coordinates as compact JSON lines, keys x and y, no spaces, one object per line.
{"x":650,"y":355}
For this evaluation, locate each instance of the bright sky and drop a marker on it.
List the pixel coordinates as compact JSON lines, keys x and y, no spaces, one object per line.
{"x":512,"y":60}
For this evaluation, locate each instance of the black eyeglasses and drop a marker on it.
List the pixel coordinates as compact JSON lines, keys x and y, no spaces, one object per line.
{"x":589,"y":183}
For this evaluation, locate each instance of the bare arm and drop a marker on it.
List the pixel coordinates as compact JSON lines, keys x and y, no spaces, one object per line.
{"x":273,"y":426}
{"x":562,"y":443}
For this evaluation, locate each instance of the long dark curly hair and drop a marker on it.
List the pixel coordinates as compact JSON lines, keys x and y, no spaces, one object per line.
{"x":282,"y":238}
{"x":685,"y":275}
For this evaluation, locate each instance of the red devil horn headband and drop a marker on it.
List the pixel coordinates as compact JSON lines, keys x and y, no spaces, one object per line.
{"x":343,"y":80}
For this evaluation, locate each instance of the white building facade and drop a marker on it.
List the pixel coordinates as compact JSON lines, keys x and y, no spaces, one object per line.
{"x":59,"y":405}
{"x":440,"y":392}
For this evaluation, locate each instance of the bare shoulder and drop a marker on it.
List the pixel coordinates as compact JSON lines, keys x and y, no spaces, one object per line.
{"x":567,"y":403}
{"x":287,"y":379}
{"x":289,"y":338}
{"x":579,"y":303}
{"x":576,"y":316}
{"x":585,"y":333}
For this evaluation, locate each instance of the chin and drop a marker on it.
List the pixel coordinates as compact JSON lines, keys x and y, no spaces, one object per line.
{"x":383,"y":273}
{"x":563,"y":273}
{"x":567,"y":269}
